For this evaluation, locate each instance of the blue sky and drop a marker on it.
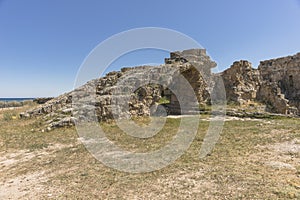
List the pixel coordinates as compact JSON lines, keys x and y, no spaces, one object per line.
{"x":44,"y":42}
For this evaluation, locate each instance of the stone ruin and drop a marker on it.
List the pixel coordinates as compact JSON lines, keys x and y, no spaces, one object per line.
{"x":241,"y":82}
{"x":274,"y":84}
{"x":280,"y":88}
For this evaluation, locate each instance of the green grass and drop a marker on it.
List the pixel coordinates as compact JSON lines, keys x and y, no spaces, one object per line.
{"x":234,"y":170}
{"x":163,"y":100}
{"x":9,"y":115}
{"x":37,"y":146}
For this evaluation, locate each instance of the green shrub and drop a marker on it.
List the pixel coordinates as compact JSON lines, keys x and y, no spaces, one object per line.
{"x":163,"y":100}
{"x":10,"y":104}
{"x":7,"y":116}
{"x":4,"y":104}
{"x":15,"y":104}
{"x":28,"y":103}
{"x":10,"y":115}
{"x":204,"y":107}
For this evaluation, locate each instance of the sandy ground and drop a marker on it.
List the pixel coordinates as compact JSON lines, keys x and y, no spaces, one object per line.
{"x":27,"y":185}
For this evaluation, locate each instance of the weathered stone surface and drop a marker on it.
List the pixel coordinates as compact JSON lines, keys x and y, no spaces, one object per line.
{"x":67,"y":121}
{"x":283,"y":74}
{"x":241,"y":82}
{"x":128,"y":93}
{"x":274,"y":83}
{"x":42,"y":100}
{"x":195,"y":66}
{"x":270,"y":94}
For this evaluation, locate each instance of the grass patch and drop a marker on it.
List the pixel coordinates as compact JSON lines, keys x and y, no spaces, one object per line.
{"x":235,"y":169}
{"x":10,"y":115}
{"x":37,"y":146}
{"x":163,"y":100}
{"x":120,"y":138}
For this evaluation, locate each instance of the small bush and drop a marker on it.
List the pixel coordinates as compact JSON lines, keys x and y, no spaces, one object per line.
{"x":204,"y":107}
{"x":28,"y":103}
{"x":9,"y":115}
{"x":163,"y":100}
{"x":2,"y":104}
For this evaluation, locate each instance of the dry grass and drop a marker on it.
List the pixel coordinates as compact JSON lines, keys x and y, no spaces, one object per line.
{"x":55,"y":165}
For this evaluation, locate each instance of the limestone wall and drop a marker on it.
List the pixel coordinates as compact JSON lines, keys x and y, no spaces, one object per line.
{"x":195,"y":65}
{"x":275,"y":83}
{"x":283,"y":73}
{"x":241,"y":82}
{"x":101,"y":96}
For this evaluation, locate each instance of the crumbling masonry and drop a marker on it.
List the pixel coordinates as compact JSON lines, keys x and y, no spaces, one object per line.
{"x":275,"y":83}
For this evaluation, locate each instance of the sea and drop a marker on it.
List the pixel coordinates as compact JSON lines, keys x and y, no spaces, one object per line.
{"x":15,"y":99}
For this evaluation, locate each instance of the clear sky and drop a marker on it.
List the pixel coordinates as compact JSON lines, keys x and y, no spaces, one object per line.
{"x":44,"y":42}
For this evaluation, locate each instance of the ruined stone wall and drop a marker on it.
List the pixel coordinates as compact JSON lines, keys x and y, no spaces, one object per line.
{"x":100,"y":95}
{"x":275,"y":83}
{"x":241,"y":82}
{"x":195,"y":65}
{"x":283,"y":73}
{"x":195,"y":57}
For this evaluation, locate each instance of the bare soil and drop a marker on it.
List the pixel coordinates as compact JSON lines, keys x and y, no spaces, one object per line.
{"x":254,"y":159}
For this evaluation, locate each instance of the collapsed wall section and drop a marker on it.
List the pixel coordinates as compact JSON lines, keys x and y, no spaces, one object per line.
{"x":280,"y":81}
